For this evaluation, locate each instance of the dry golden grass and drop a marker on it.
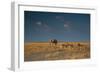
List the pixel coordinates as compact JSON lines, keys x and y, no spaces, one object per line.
{"x":38,"y":51}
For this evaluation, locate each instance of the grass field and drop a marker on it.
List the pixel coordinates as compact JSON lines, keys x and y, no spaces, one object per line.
{"x":40,"y":51}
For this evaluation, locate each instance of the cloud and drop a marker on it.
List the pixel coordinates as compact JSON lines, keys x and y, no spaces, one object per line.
{"x":61,"y":18}
{"x":39,"y":23}
{"x":66,"y":25}
{"x":42,"y":27}
{"x":58,"y":17}
{"x":47,"y":28}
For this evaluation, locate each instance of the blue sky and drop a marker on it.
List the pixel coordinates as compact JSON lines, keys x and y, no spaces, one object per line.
{"x":43,"y":26}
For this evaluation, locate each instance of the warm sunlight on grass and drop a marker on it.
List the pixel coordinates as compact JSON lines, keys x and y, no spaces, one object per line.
{"x":38,"y":51}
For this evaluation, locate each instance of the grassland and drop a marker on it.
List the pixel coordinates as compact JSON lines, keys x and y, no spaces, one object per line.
{"x":40,"y":51}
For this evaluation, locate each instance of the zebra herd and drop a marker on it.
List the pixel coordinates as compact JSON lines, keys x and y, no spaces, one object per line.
{"x":55,"y":42}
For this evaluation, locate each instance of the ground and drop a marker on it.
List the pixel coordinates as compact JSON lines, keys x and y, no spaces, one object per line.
{"x":40,"y":51}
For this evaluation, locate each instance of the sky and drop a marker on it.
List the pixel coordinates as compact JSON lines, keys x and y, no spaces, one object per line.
{"x":43,"y":26}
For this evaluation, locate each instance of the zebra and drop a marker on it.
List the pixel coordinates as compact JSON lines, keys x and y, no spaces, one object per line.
{"x":53,"y":42}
